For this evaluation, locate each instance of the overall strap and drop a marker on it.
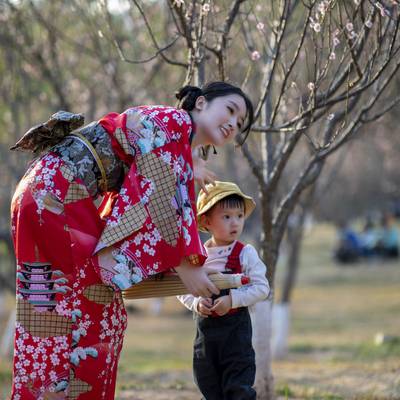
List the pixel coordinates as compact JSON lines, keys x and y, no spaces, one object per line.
{"x":233,"y":262}
{"x":234,"y":267}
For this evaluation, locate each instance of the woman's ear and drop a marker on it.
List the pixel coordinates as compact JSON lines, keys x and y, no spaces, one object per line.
{"x":200,"y":103}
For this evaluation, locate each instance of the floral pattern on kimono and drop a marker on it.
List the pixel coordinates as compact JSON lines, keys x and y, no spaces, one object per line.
{"x":151,"y":224}
{"x":70,"y":325}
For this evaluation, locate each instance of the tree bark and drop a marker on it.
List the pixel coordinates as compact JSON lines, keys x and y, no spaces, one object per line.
{"x":281,"y":310}
{"x":261,"y":323}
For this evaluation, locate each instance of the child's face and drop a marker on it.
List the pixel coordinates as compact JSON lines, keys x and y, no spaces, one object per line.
{"x":225,"y":223}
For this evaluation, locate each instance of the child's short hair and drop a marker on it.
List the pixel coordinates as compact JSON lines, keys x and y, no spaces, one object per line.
{"x":231,"y":201}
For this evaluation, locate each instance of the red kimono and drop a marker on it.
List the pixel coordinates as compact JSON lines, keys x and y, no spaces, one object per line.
{"x":70,"y":315}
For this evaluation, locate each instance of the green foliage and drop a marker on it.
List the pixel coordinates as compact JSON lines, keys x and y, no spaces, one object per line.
{"x":284,"y":390}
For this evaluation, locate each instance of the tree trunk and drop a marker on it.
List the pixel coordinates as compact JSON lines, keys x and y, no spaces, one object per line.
{"x":294,"y":240}
{"x":261,"y":323}
{"x":281,"y":310}
{"x":262,"y":328}
{"x":262,"y":318}
{"x":280,"y":329}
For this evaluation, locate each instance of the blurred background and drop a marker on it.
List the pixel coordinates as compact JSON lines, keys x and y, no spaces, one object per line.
{"x":322,"y":163}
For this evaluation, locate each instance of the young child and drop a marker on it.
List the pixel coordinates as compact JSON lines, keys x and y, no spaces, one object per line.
{"x":223,"y":356}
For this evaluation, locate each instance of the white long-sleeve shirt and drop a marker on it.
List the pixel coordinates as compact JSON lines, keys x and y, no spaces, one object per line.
{"x":252,"y":266}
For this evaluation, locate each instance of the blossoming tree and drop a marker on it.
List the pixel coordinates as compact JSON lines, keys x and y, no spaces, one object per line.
{"x":319,"y":71}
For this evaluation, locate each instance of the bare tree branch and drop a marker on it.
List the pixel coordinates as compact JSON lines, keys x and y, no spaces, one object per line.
{"x":382,"y":112}
{"x":269,"y":72}
{"x":160,"y":50}
{"x":255,"y":168}
{"x":289,"y":70}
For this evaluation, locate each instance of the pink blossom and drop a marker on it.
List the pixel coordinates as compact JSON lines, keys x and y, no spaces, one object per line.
{"x":353,"y":35}
{"x":206,"y":8}
{"x":332,"y":56}
{"x":311,"y":86}
{"x":316,"y":26}
{"x":382,"y":9}
{"x":349,"y":26}
{"x":255,"y":55}
{"x":322,"y":8}
{"x":368,"y":24}
{"x":330,"y":117}
{"x":260,"y":26}
{"x":335,"y":41}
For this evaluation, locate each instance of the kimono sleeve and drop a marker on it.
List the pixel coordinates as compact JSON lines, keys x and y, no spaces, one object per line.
{"x":151,"y":226}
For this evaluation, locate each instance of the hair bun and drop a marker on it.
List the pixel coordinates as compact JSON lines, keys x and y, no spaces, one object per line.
{"x":188,"y":95}
{"x":188,"y":91}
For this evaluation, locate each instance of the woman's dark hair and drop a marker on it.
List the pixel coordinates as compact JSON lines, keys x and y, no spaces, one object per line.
{"x":189,"y":94}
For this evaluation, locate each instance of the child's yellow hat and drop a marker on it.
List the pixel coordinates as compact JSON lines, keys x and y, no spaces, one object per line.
{"x":216,"y":193}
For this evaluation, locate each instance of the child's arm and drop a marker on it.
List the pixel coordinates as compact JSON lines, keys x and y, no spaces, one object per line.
{"x":199,"y":305}
{"x":255,"y":269}
{"x":189,"y":301}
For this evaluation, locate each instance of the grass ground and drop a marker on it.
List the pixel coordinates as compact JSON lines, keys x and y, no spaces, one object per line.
{"x":336,"y":313}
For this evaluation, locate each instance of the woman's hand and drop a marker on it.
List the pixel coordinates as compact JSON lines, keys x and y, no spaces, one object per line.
{"x":202,"y":175}
{"x":196,"y":279}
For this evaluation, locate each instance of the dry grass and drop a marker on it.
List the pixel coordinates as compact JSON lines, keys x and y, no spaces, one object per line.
{"x":336,"y":313}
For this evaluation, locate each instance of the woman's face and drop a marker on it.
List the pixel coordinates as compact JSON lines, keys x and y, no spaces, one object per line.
{"x":219,"y":120}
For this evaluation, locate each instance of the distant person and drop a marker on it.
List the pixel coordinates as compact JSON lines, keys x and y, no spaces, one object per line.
{"x":388,"y":242}
{"x":224,"y":359}
{"x":368,"y":239}
{"x":348,"y":248}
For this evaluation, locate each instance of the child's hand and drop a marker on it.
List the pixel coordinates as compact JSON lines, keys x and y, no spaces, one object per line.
{"x":204,"y":306}
{"x":222,"y":305}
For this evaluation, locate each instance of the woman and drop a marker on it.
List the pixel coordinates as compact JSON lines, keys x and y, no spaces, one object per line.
{"x":74,"y":255}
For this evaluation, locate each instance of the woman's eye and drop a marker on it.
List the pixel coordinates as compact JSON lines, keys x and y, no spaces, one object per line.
{"x":239,"y":126}
{"x":230,"y":109}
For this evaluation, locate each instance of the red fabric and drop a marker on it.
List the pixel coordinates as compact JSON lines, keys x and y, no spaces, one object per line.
{"x":169,"y":148}
{"x":45,"y":358}
{"x":233,"y":262}
{"x":70,"y":325}
{"x":111,"y":122}
{"x":234,"y":267}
